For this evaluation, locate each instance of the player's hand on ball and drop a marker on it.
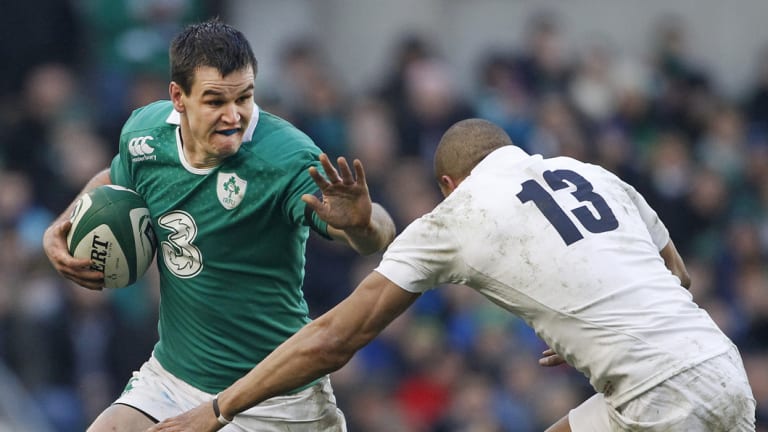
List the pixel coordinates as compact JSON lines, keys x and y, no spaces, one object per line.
{"x":346,"y":202}
{"x":78,"y":270}
{"x":550,"y":358}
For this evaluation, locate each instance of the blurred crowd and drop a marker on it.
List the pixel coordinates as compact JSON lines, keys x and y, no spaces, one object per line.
{"x":454,"y":362}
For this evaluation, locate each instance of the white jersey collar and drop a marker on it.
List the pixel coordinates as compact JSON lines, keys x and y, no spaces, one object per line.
{"x":506,"y":154}
{"x":174,"y":118}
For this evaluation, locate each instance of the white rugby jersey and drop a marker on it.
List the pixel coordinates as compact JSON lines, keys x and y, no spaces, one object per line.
{"x":572,"y":250}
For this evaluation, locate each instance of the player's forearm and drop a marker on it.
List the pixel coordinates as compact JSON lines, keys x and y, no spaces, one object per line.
{"x":323,"y":346}
{"x":675,"y":264}
{"x":376,"y":236}
{"x":99,"y":179}
{"x":310,"y":354}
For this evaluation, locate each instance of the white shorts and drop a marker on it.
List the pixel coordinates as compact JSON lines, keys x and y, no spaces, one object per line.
{"x":712,"y":396}
{"x":160,"y":395}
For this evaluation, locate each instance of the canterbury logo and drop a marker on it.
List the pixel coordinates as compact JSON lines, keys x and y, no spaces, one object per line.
{"x":139,"y":147}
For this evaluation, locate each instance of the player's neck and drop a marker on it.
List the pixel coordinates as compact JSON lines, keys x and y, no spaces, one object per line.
{"x":193,"y":155}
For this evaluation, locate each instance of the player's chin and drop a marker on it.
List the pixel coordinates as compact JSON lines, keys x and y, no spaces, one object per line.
{"x":229,"y":142}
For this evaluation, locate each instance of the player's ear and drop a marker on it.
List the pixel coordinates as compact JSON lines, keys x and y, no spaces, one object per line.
{"x":175,"y":92}
{"x":447,"y":185}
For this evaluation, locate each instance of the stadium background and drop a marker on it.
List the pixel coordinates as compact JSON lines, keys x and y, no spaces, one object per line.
{"x":670,"y":95}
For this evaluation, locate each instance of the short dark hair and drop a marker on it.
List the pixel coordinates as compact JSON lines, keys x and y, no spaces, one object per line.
{"x":210,"y":43}
{"x":465,"y":144}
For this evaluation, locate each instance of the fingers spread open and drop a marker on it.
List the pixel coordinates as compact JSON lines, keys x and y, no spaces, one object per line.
{"x":359,"y":171}
{"x":330,"y":170}
{"x":346,"y":172}
{"x":319,"y":179}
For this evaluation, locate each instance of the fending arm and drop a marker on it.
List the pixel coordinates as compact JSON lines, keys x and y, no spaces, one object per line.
{"x":322,"y":346}
{"x":370,"y":239}
{"x":347,"y":207}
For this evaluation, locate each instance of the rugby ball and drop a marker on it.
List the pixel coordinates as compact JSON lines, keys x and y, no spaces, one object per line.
{"x":111,"y":226}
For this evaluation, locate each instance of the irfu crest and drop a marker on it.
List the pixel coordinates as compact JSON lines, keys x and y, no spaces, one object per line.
{"x":230,"y":189}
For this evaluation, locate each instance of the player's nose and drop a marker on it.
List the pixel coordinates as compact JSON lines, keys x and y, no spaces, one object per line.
{"x":231,"y":114}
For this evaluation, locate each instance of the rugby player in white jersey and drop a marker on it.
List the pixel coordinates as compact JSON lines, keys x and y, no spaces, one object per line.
{"x":566,"y":246}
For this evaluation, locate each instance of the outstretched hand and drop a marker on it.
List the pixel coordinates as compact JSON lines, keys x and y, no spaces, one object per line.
{"x":346,"y":202}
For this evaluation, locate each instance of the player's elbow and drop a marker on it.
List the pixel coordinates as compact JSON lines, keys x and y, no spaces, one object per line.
{"x":333,"y":351}
{"x":333,"y":345}
{"x":681,"y":272}
{"x":336,"y":337}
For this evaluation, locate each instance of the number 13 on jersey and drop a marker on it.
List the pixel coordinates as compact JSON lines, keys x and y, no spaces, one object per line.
{"x":544,"y":200}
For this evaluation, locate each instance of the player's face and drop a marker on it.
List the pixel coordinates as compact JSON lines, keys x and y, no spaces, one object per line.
{"x":215,"y":114}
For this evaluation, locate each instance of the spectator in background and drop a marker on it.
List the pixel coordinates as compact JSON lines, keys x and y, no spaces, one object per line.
{"x":49,"y":101}
{"x":613,"y":150}
{"x":300,"y":63}
{"x":307,"y":94}
{"x":393,"y":91}
{"x":755,"y":106}
{"x":557,"y":130}
{"x":423,"y":96}
{"x":543,"y":62}
{"x":592,"y":88}
{"x":682,"y":87}
{"x":668,"y":168}
{"x":502,"y":97}
{"x":722,"y":146}
{"x":127,"y":43}
{"x":30,"y":37}
{"x":433,"y":102}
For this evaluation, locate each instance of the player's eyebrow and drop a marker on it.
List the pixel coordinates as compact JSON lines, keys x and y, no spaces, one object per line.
{"x":212,"y":92}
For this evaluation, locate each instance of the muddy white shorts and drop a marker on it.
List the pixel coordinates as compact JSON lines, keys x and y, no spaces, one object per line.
{"x":713,"y":396}
{"x":160,"y":395}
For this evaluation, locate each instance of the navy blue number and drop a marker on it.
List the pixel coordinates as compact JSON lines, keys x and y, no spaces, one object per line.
{"x":533,"y":191}
{"x":560,"y":179}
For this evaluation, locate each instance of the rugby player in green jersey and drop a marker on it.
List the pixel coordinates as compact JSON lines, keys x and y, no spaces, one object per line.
{"x":233,"y":192}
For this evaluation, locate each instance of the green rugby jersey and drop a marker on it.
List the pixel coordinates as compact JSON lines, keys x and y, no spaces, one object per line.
{"x":231,"y":241}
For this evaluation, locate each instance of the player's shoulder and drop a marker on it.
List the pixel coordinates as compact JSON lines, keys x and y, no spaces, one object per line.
{"x":584,"y":168}
{"x":150,"y":116}
{"x":280,"y":143}
{"x":271,"y":128}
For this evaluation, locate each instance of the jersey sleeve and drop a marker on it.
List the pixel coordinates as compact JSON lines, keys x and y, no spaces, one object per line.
{"x":120,"y":169}
{"x":313,"y":220}
{"x":118,"y":173}
{"x":656,"y":227}
{"x":423,"y":256}
{"x":301,"y":183}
